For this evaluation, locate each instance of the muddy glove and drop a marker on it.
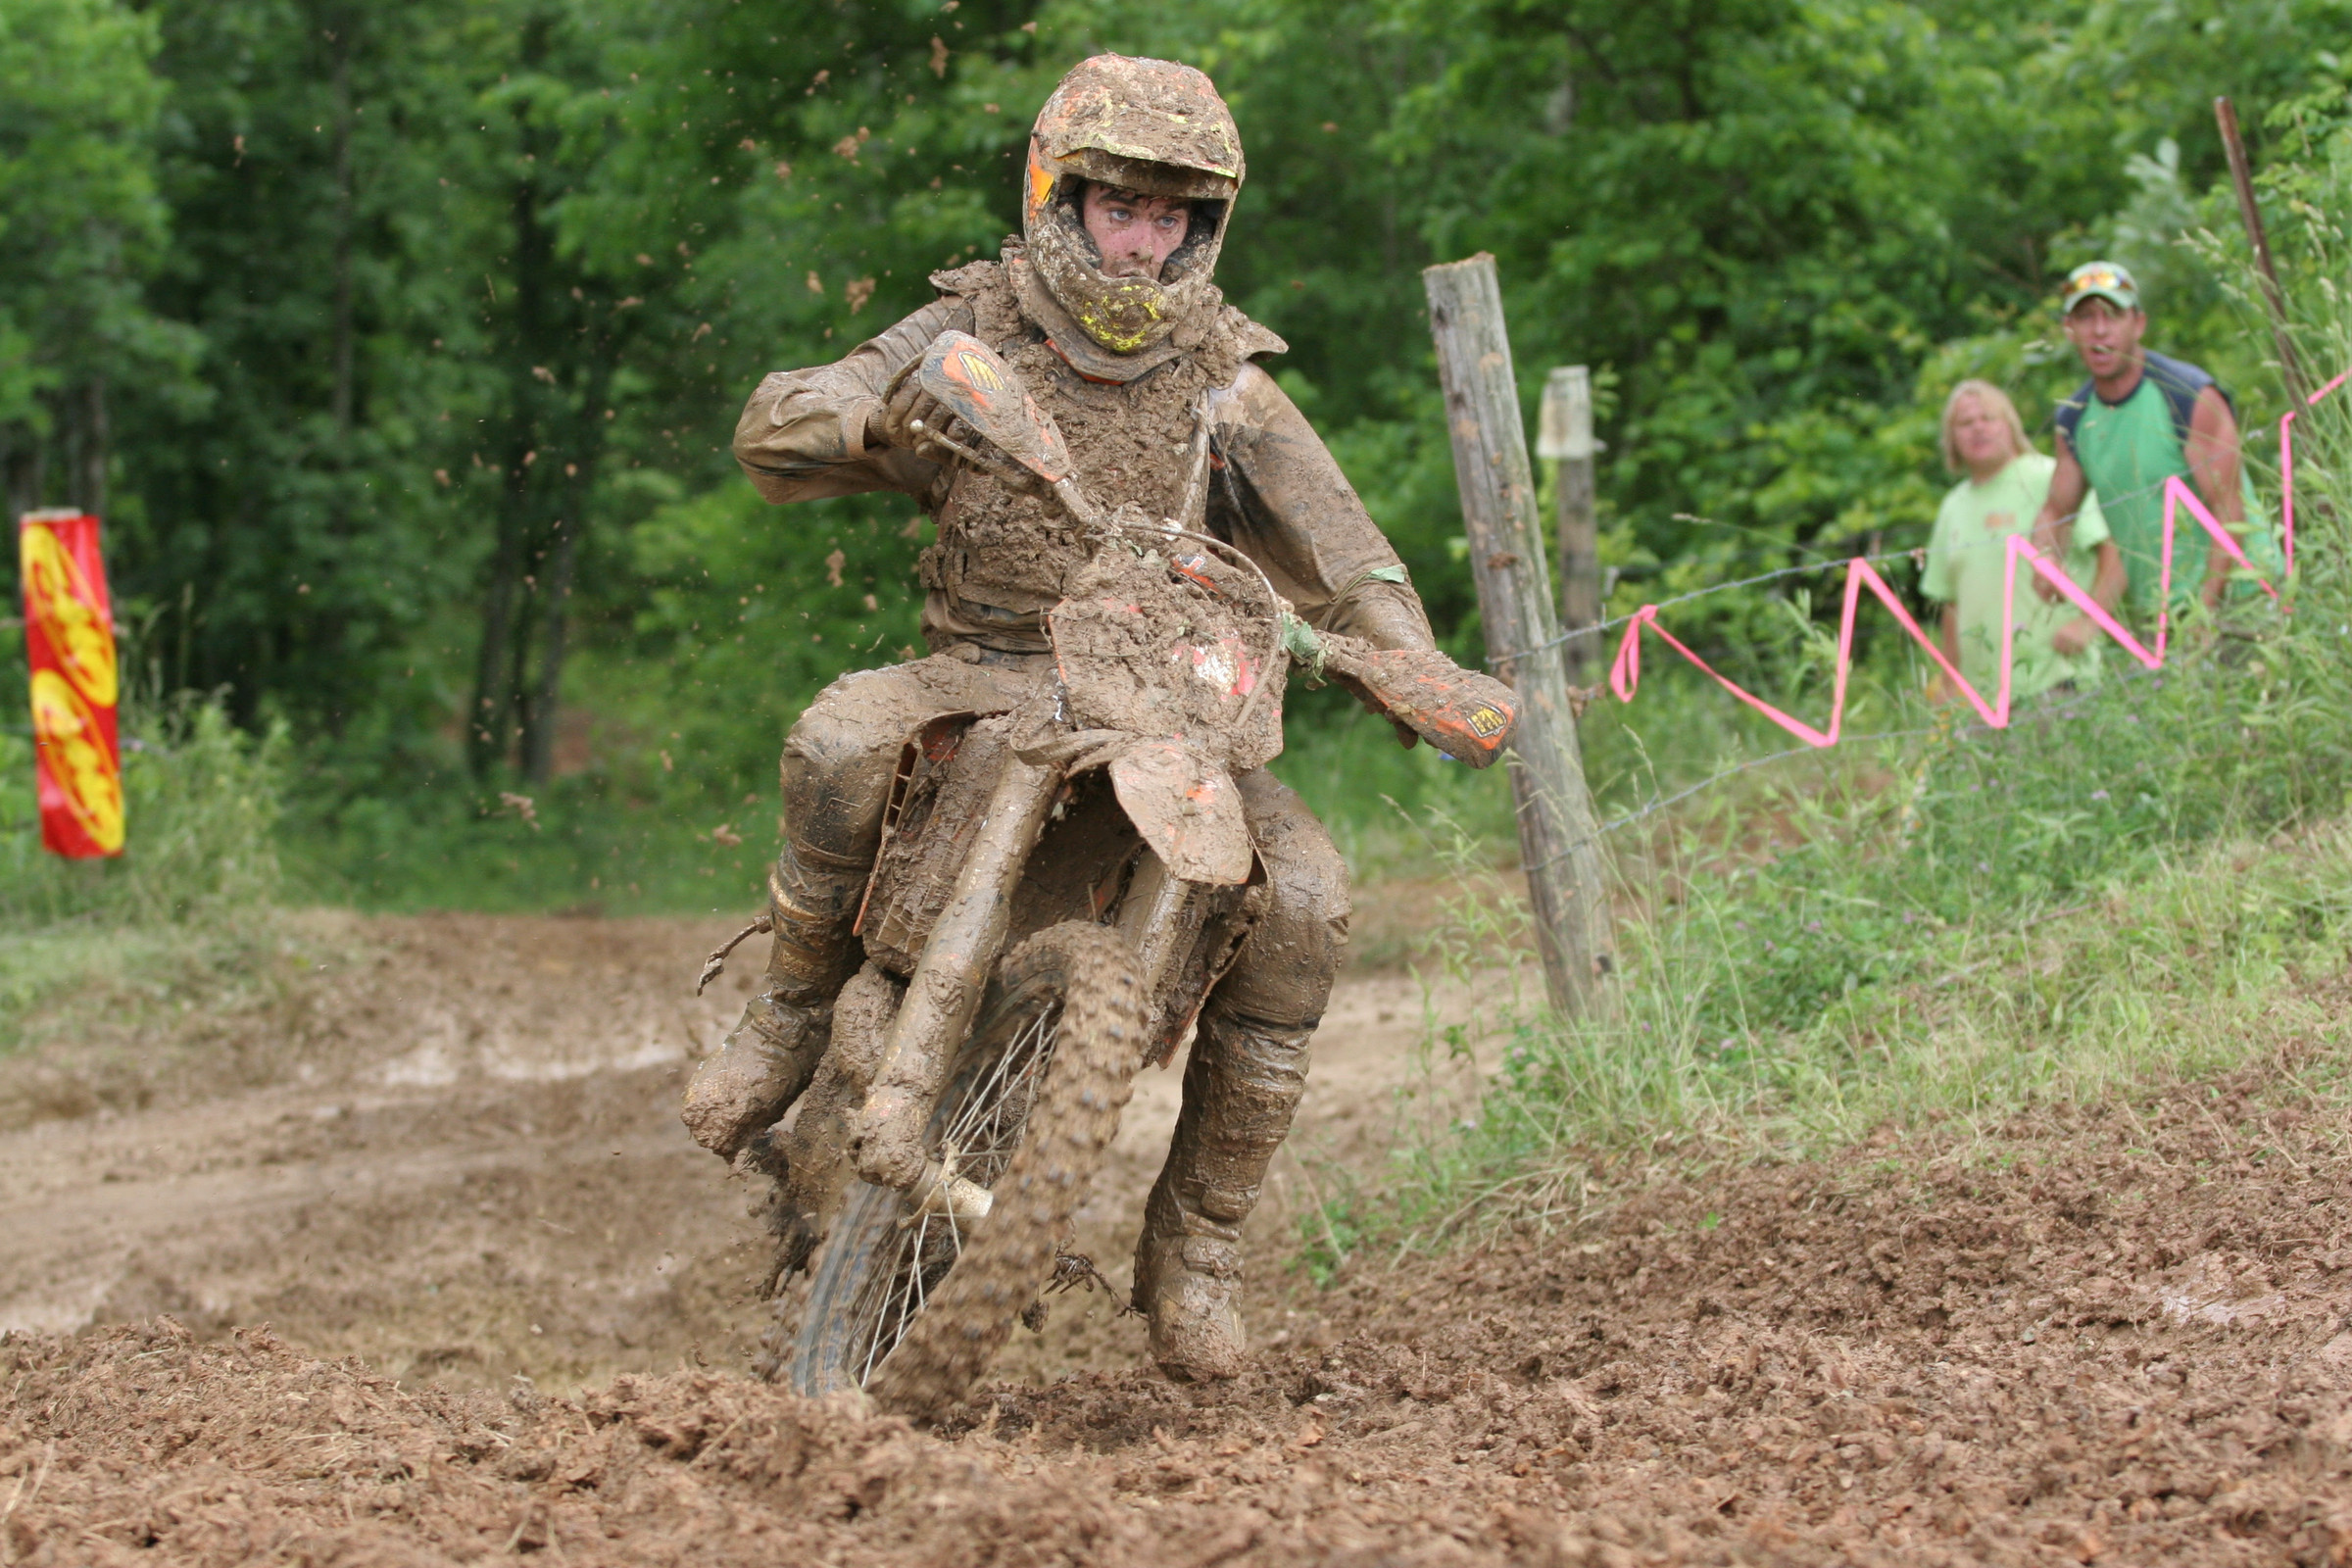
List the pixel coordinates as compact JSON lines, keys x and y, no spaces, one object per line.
{"x":913,"y":421}
{"x":1467,"y":716}
{"x":905,"y":404}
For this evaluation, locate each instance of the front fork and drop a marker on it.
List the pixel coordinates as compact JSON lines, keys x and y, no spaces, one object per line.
{"x":1153,"y":920}
{"x":951,"y":978}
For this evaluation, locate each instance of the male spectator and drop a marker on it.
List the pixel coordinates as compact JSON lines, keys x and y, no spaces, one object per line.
{"x":2004,"y":485}
{"x":2141,"y":419}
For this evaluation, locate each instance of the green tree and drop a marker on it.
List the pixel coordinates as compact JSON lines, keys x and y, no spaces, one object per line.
{"x":291,"y":524}
{"x":82,"y":225}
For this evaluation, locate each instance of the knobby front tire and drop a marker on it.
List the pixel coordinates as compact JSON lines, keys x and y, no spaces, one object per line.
{"x":913,"y":1307}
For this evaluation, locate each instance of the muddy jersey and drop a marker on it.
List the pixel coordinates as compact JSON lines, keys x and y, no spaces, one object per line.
{"x":1000,"y":557}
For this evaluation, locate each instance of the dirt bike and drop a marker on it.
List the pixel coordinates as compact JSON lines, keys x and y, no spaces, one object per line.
{"x":1058,"y":888}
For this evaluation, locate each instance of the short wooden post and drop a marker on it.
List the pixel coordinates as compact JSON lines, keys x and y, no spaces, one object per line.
{"x":1559,"y":837}
{"x":2241,"y":176}
{"x":1564,"y":435}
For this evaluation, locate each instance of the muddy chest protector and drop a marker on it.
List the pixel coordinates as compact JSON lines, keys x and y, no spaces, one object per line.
{"x":1002,"y":557}
{"x":1272,"y":487}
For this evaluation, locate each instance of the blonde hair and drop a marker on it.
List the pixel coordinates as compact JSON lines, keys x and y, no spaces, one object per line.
{"x":2019,"y":442}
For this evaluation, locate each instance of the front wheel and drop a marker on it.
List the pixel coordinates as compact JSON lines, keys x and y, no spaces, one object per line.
{"x":911,"y":1307}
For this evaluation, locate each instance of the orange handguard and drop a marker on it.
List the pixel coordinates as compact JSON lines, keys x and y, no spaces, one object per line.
{"x":1467,"y":716}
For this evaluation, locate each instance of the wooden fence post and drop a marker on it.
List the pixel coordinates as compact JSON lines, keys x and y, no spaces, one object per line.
{"x":1559,"y":837}
{"x":2241,"y":176}
{"x":1564,"y":435}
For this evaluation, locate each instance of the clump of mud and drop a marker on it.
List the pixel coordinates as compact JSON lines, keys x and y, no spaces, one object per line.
{"x":145,"y":1445}
{"x":2118,"y":1335}
{"x":1171,"y":640}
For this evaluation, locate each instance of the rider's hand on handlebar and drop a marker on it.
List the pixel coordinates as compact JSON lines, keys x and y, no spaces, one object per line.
{"x":1406,"y":736}
{"x":1464,"y":714}
{"x":913,"y":421}
{"x":906,"y":404}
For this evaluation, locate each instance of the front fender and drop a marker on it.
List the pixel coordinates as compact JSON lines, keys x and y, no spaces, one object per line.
{"x":1187,"y":807}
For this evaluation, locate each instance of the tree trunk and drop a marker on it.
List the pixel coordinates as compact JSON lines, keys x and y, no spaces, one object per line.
{"x":487,"y":725}
{"x":1560,"y":839}
{"x":518,"y":679}
{"x":539,"y":736}
{"x":19,"y":469}
{"x":96,"y":447}
{"x":343,"y":347}
{"x":501,"y":697}
{"x":539,"y":717}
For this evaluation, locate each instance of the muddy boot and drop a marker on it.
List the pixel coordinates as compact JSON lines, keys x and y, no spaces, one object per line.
{"x":745,"y":1086}
{"x":1189,"y":1282}
{"x":1241,"y":1087}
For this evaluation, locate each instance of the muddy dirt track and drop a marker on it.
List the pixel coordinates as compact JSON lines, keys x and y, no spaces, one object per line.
{"x":2119,"y":1336}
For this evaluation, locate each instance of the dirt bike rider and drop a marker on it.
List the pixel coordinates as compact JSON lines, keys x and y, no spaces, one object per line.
{"x":1105,"y":307}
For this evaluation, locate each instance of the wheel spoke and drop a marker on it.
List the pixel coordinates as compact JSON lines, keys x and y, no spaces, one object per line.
{"x":985,"y":1130}
{"x":987,"y":1098}
{"x":981,"y":1130}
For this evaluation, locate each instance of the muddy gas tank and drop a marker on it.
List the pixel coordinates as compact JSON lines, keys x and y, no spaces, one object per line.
{"x":1166,"y":642}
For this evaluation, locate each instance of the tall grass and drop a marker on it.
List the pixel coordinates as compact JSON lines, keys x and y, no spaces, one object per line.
{"x":201,"y":799}
{"x":186,"y":906}
{"x":2143,"y":879}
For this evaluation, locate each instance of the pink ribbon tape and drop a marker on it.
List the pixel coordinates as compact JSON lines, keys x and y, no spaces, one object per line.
{"x":1625,"y":672}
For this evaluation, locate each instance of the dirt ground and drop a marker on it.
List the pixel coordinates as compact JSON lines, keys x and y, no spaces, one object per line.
{"x":508,"y":1308}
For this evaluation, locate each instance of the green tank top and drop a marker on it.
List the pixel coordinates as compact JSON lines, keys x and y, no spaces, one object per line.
{"x":2127,"y":450}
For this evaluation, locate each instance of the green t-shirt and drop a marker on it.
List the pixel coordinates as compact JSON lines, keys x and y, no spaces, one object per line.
{"x":1968,"y":559}
{"x":2127,"y":450}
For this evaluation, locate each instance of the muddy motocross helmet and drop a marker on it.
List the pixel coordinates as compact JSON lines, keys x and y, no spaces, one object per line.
{"x":1151,"y":126}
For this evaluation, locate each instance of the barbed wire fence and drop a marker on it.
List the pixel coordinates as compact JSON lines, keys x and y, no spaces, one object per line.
{"x":1848,"y":563}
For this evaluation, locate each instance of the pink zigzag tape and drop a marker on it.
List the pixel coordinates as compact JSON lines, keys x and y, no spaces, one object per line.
{"x":1625,"y":672}
{"x":2287,"y":468}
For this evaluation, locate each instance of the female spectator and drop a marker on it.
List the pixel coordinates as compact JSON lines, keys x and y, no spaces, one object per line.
{"x":2006,"y":481}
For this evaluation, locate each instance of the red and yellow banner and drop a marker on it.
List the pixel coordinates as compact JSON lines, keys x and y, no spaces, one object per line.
{"x":70,"y":642}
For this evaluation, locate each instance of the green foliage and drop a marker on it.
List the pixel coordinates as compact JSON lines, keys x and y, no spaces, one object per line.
{"x":183,"y":915}
{"x":1375,"y":795}
{"x":2135,"y":882}
{"x":2200,"y":971}
{"x":745,"y":612}
{"x":1981,"y":836}
{"x":79,"y":215}
{"x":405,"y":342}
{"x":2142,"y":879}
{"x":201,"y":799}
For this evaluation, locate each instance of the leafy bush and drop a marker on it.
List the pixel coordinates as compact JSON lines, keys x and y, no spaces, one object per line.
{"x":181,"y":919}
{"x":202,"y":798}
